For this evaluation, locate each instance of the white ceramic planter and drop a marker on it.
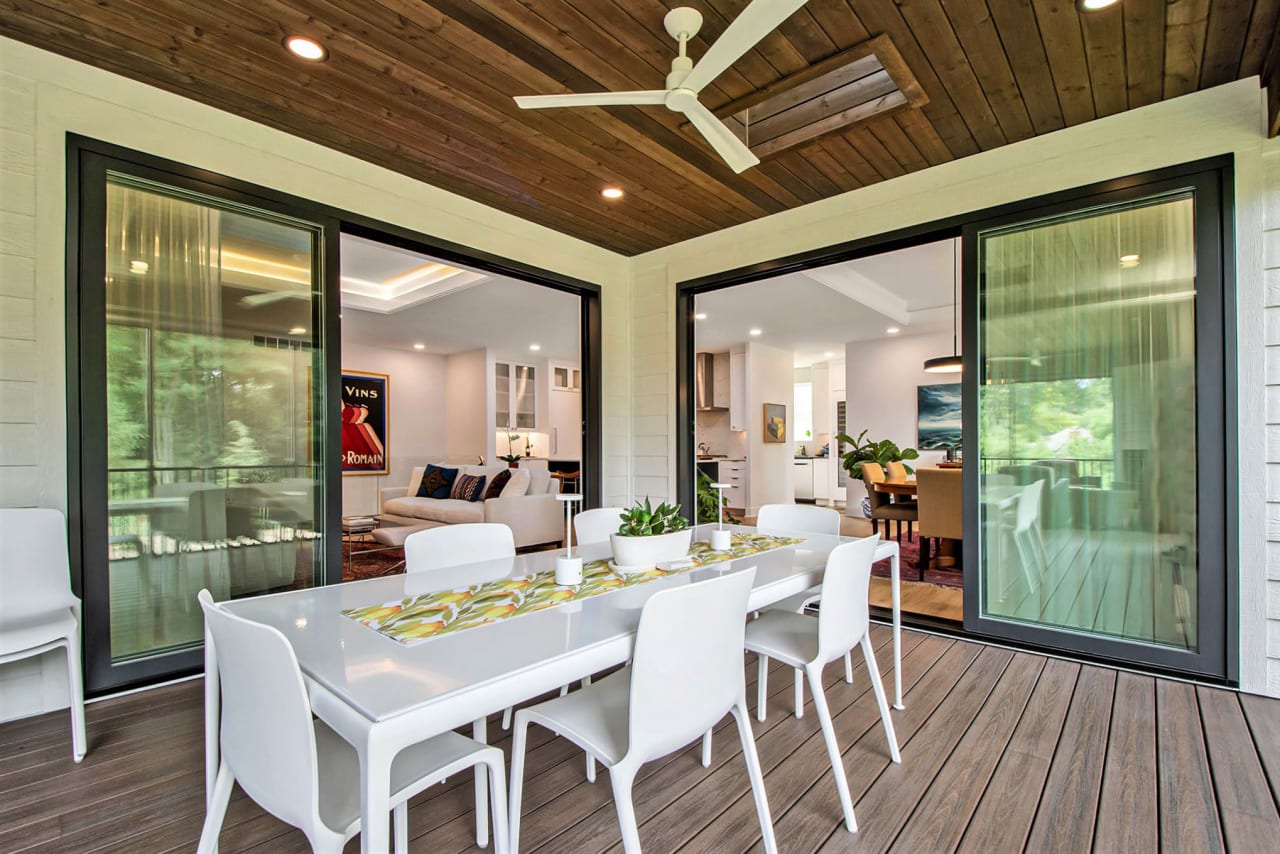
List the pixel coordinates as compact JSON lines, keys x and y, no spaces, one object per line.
{"x":641,"y":553}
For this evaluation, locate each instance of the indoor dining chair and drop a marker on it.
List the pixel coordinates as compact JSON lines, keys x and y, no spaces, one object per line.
{"x":595,"y":526}
{"x":801,"y":519}
{"x":38,"y":611}
{"x":296,"y":767}
{"x":664,"y":700}
{"x":807,"y":642}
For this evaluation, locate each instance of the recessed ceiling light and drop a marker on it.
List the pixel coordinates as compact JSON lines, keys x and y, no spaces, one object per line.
{"x":702,"y":315}
{"x":305,"y":48}
{"x":612,"y":192}
{"x":535,"y":347}
{"x":419,"y":346}
{"x":298,"y":330}
{"x":139,"y":267}
{"x":1095,"y":5}
{"x":757,"y":331}
{"x":893,"y":330}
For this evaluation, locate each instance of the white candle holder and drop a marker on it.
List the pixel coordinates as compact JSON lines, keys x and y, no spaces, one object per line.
{"x":568,"y":565}
{"x":721,"y":540}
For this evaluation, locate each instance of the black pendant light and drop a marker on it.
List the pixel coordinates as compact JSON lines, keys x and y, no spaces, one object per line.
{"x":952,"y":364}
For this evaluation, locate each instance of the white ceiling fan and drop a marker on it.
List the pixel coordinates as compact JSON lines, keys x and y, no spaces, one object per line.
{"x":686,"y":80}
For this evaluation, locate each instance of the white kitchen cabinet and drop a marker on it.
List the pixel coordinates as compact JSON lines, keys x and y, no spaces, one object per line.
{"x":564,"y":417}
{"x":821,"y":399}
{"x":721,"y":392}
{"x":734,"y":473}
{"x":515,"y":392}
{"x":738,"y":391}
{"x":822,"y":479}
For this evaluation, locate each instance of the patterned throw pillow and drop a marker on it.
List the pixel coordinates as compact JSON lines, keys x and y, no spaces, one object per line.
{"x":437,"y":482}
{"x":497,"y":484}
{"x":468,"y":487}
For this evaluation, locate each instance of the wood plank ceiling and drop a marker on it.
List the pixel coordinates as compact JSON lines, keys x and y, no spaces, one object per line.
{"x":425,"y":88}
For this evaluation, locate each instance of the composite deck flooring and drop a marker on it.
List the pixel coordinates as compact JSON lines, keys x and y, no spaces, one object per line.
{"x":1002,"y":751}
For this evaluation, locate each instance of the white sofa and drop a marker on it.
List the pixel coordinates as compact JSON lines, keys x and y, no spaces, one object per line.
{"x":534,"y":518}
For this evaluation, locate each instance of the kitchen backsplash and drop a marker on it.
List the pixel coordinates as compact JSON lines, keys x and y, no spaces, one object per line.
{"x":713,"y":429}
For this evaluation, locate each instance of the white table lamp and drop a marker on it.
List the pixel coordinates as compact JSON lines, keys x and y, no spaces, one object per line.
{"x":721,"y":540}
{"x":568,"y":566}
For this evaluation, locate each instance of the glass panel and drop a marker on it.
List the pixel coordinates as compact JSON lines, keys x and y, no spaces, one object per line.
{"x":1087,"y":412}
{"x":213,"y":470}
{"x":525,"y":398}
{"x":502,"y":395}
{"x":562,"y":378}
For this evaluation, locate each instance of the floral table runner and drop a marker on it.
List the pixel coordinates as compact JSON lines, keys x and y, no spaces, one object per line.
{"x":418,"y":618}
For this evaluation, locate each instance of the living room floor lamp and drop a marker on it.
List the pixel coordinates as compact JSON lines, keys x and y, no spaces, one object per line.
{"x":568,"y":565}
{"x":721,"y":540}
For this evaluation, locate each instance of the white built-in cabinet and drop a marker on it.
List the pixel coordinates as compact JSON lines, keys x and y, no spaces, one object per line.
{"x":737,"y":387}
{"x":721,"y":390}
{"x":515,"y":396}
{"x":564,"y":412}
{"x":823,"y":479}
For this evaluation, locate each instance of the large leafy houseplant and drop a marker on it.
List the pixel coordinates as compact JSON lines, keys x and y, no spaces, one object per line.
{"x":648,"y":536}
{"x":864,"y":450}
{"x":645,"y":520}
{"x":709,"y":503}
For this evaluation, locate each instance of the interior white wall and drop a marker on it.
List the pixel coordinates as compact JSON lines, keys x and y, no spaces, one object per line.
{"x":880,"y":393}
{"x":770,"y":465}
{"x":468,"y":406}
{"x":43,"y":97}
{"x":1225,"y":120}
{"x":416,"y":394}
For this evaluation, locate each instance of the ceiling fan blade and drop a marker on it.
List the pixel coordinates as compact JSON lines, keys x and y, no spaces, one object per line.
{"x":756,"y":21}
{"x":728,"y":146}
{"x":592,"y":99}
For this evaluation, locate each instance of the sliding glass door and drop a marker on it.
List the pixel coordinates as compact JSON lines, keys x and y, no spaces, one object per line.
{"x":203,"y":399}
{"x":1097,"y":394}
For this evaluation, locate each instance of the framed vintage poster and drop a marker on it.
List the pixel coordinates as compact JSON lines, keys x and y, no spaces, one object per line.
{"x":775,"y":423}
{"x":365,"y":418}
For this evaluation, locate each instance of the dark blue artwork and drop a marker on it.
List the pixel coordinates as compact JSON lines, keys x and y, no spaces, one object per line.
{"x":938,"y":417}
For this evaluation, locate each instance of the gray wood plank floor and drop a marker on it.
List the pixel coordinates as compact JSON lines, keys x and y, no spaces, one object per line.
{"x":1002,"y":751}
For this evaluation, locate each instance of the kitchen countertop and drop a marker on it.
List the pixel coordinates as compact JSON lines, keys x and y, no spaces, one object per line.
{"x":724,"y":460}
{"x":812,"y":457}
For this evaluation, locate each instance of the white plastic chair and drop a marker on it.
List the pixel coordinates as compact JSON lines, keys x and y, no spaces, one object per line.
{"x":595,"y":526}
{"x":299,"y":769}
{"x":38,"y":611}
{"x":664,"y":700}
{"x":1027,"y":536}
{"x":807,"y":642}
{"x":802,"y":519}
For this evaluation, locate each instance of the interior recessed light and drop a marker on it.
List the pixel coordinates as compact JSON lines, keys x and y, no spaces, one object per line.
{"x":535,"y":347}
{"x":419,"y":346}
{"x":298,"y":330}
{"x":139,"y":267}
{"x":305,"y":48}
{"x":756,"y":331}
{"x":893,"y":330}
{"x":1095,"y":5}
{"x":702,"y":315}
{"x":612,"y":192}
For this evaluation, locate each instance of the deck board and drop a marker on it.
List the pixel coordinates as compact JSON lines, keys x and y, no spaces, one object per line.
{"x":1002,"y":751}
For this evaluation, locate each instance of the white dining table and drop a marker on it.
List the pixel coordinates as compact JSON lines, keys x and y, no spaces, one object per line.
{"x":383,"y":696}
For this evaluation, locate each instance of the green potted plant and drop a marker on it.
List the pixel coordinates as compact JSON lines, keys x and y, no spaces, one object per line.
{"x":649,"y":535}
{"x":864,"y":450}
{"x":511,"y":458}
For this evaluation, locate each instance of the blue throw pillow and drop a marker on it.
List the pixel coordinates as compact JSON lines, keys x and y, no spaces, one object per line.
{"x":437,"y":482}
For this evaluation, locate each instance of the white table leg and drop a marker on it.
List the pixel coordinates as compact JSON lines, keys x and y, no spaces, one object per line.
{"x":375,"y":795}
{"x":895,"y":571}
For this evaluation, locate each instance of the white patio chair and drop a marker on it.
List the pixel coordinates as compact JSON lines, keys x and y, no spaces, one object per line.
{"x":803,"y":519}
{"x":299,"y":769}
{"x":1028,"y":538}
{"x":809,"y":643}
{"x":664,"y":700}
{"x":595,"y":526}
{"x":38,"y":611}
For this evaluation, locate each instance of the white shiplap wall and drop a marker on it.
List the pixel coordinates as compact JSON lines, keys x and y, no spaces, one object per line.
{"x":1271,"y":271}
{"x":42,"y":98}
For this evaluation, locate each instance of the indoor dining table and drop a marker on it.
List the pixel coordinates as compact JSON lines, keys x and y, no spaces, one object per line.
{"x":382,"y":695}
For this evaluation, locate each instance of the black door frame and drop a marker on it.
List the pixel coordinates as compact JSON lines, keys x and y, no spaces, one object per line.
{"x":88,"y":161}
{"x":1219,"y":171}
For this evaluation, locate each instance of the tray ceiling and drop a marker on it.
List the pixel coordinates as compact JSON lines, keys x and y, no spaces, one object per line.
{"x":425,"y":88}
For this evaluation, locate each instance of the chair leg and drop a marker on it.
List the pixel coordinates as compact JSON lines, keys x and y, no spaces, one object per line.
{"x":799,"y":694}
{"x":762,"y":685}
{"x":743,"y":719}
{"x":874,"y":672}
{"x":706,"y":749}
{"x":79,"y":745}
{"x":833,"y":747}
{"x":591,"y":768}
{"x":217,"y":810}
{"x":400,"y":827}
{"x":622,"y":777}
{"x":480,"y":734}
{"x":498,"y":802}
{"x":518,"y":736}
{"x":848,"y":668}
{"x":506,"y":718}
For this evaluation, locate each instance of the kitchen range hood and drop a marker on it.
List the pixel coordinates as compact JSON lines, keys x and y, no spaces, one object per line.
{"x":704,"y":384}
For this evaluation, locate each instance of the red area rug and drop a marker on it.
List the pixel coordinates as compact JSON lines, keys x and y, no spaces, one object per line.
{"x":910,"y":552}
